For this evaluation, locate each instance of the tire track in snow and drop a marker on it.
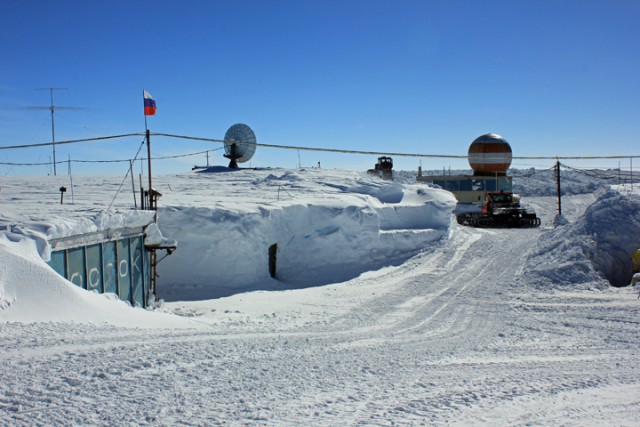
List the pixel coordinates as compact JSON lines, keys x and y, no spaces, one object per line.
{"x":492,"y":347}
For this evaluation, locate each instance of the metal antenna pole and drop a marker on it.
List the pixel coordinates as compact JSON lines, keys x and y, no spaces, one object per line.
{"x":53,"y":132}
{"x":53,"y":108}
{"x":53,"y":123}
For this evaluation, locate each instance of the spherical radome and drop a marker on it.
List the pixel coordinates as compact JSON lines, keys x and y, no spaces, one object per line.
{"x":489,"y":154}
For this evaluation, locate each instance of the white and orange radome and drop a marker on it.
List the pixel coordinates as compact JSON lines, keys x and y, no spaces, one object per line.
{"x":489,"y":154}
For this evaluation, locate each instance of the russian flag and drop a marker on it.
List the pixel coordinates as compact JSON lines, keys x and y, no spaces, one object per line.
{"x":149,"y":104}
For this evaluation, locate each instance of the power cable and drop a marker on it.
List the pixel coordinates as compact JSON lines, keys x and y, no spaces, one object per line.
{"x":72,"y":141}
{"x":381,"y":153}
{"x":318,"y":149}
{"x":27,"y":164}
{"x":591,"y":173}
{"x":185,"y":155}
{"x":111,"y":161}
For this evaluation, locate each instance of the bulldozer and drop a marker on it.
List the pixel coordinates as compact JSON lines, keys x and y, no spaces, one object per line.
{"x":500,"y":209}
{"x":383,"y":169}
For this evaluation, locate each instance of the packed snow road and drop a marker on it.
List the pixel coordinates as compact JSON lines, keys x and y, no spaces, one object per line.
{"x":454,"y":336}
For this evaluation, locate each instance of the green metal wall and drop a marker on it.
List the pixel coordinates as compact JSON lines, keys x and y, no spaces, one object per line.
{"x":118,"y":266}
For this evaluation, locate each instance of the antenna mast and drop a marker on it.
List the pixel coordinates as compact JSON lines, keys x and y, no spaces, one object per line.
{"x":53,"y":125}
{"x":53,"y":108}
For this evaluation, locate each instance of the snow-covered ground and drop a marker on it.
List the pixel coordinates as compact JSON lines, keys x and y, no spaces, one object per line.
{"x":385,"y":311}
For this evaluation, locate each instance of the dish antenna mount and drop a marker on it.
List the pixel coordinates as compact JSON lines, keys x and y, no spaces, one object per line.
{"x":239,"y":144}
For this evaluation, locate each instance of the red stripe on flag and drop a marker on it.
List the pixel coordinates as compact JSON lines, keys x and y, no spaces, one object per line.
{"x":149,"y":107}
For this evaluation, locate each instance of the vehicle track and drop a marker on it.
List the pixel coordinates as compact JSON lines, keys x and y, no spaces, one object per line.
{"x":455,"y":338}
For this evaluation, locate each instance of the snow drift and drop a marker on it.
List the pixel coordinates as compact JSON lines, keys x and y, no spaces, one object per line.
{"x":598,"y":245}
{"x":328,"y":227}
{"x":30,"y":291}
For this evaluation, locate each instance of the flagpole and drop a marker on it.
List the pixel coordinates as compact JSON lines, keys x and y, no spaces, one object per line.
{"x":145,"y":115}
{"x":153,"y":263}
{"x":148,"y":136}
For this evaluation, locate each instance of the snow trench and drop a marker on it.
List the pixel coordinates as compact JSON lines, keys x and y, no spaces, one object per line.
{"x":222,"y":252}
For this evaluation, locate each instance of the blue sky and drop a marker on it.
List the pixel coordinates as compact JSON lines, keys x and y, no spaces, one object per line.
{"x":555,"y":78}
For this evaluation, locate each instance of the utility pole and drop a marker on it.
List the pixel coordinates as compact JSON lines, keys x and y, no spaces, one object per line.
{"x":53,"y":108}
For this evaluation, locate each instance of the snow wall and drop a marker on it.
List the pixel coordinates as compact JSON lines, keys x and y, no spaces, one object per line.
{"x":599,"y":245}
{"x":223,"y":251}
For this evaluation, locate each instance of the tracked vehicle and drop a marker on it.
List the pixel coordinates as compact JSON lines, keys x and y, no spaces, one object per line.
{"x":500,"y":209}
{"x":383,"y":169}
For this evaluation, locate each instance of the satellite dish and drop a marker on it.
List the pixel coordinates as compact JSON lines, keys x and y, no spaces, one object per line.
{"x":239,"y":144}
